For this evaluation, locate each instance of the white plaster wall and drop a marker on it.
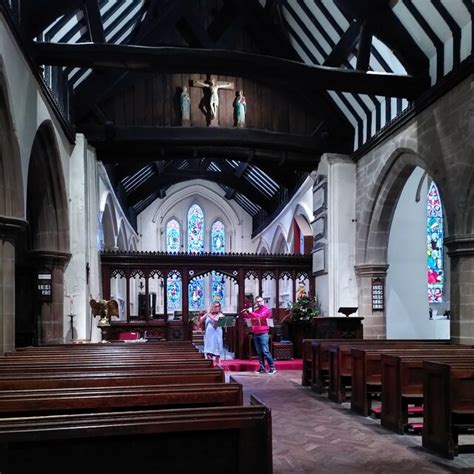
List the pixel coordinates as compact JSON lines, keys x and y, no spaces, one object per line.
{"x":151,"y":223}
{"x":27,"y":104}
{"x":406,"y":282}
{"x":84,"y":207}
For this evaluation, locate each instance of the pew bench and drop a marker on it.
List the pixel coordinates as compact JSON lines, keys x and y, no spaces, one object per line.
{"x":109,"y":378}
{"x":367,"y":370}
{"x":402,"y":384}
{"x":103,"y":399}
{"x":340,"y":361}
{"x":198,"y":440}
{"x":448,"y":394}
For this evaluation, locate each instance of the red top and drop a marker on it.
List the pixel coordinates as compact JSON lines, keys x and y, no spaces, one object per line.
{"x":259,"y":319}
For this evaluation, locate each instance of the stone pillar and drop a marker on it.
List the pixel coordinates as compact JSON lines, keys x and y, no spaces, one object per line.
{"x":461,"y":250}
{"x":10,"y":229}
{"x":51,"y":315}
{"x":374,"y":321}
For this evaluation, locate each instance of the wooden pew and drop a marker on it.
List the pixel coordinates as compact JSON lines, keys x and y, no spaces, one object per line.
{"x":340,"y":361}
{"x":109,"y":378}
{"x":367,"y":370}
{"x":96,"y":367}
{"x":448,"y":395}
{"x":181,"y":441}
{"x":49,"y":401}
{"x":402,"y":383}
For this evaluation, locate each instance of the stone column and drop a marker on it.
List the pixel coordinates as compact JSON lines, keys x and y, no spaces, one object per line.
{"x":461,"y":250}
{"x":374,"y":321}
{"x":51,"y":314}
{"x":10,"y":230}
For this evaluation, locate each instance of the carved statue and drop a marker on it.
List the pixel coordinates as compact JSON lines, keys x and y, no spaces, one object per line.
{"x":185,"y":102}
{"x":240,"y":107}
{"x":105,"y":310}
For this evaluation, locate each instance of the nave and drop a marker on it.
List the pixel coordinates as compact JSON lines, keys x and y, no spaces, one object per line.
{"x":312,"y":434}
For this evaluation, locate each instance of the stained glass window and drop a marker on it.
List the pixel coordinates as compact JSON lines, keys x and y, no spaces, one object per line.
{"x":196,"y":293}
{"x":173,"y":236}
{"x":434,"y":236}
{"x":173,"y":286}
{"x":218,"y":237}
{"x":195,"y":229}
{"x":217,"y":287}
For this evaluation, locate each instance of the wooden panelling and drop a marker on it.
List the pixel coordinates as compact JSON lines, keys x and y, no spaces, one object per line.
{"x":153,"y":100}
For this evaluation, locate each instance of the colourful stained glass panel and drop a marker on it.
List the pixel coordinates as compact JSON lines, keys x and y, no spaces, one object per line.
{"x":173,"y":236}
{"x":217,"y":287}
{"x":173,"y":286}
{"x":434,"y":241}
{"x":196,"y":293}
{"x":195,"y":229}
{"x":218,"y":237}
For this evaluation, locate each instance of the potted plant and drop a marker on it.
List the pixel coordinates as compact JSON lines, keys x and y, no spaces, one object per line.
{"x":299,"y":321}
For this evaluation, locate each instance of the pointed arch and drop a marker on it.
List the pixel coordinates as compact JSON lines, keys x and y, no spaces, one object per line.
{"x":47,"y":209}
{"x":122,"y":236}
{"x":218,"y":237}
{"x":279,"y":244}
{"x":11,"y":182}
{"x":195,"y":229}
{"x":109,"y":222}
{"x":374,"y":235}
{"x":173,"y":235}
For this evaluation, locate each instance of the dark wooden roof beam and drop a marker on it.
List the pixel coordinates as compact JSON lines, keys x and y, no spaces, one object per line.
{"x":268,"y":69}
{"x":365,"y":42}
{"x":94,"y":21}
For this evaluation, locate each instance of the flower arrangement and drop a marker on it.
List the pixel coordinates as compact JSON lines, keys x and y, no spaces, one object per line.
{"x":305,"y":308}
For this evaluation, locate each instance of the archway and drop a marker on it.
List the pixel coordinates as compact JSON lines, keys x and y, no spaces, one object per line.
{"x":12,"y":221}
{"x":48,"y":236}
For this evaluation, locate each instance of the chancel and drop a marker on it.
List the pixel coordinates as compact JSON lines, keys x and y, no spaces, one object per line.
{"x":313,"y":159}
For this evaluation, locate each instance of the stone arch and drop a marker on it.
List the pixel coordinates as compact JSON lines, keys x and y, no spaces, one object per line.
{"x":11,"y":220}
{"x":47,"y":213}
{"x":47,"y":209}
{"x":263,"y":247}
{"x":384,"y":197}
{"x":280,"y":243}
{"x":109,"y":222}
{"x":11,"y":182}
{"x":122,"y":236}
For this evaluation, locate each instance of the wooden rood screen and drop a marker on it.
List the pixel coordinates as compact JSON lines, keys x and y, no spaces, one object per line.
{"x":132,"y":274}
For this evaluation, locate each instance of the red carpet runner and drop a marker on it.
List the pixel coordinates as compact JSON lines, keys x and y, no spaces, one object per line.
{"x":244,"y":365}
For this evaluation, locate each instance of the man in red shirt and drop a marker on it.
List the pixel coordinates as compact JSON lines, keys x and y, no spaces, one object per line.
{"x":260,"y":330}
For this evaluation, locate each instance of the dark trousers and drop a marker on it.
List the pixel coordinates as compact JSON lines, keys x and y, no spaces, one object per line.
{"x":261,"y":345}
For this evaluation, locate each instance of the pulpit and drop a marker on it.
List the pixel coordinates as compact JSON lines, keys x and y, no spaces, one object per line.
{"x":338,"y":328}
{"x":324,"y":328}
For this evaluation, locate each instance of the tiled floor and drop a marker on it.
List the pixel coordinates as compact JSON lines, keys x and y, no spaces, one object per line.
{"x":314,"y":435}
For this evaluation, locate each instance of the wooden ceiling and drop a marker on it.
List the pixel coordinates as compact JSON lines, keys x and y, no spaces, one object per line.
{"x":121,"y":63}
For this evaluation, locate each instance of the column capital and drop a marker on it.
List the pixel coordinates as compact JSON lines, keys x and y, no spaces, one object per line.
{"x":371,"y":270}
{"x":460,"y":245}
{"x":50,"y":258}
{"x":11,"y":228}
{"x":333,"y":158}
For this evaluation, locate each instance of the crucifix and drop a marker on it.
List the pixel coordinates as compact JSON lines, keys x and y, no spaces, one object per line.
{"x":211,"y":99}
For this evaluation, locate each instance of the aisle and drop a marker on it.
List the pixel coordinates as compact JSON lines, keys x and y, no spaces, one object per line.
{"x":313,"y":435}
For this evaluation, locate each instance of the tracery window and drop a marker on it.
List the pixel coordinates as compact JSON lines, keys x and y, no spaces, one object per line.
{"x":218,"y":237}
{"x":173,"y":236}
{"x":434,"y":236}
{"x":217,"y":287}
{"x":195,"y":229}
{"x":196,"y":293}
{"x":173,"y":288}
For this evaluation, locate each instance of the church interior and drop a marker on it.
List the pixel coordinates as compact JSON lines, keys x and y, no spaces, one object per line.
{"x":309,"y":158}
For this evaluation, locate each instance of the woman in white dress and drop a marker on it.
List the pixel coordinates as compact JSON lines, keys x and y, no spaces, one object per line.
{"x":213,"y":343}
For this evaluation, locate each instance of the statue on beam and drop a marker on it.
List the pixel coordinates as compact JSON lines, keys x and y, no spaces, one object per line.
{"x":212,"y":105}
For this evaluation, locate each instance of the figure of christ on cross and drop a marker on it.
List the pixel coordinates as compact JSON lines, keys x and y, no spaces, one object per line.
{"x":213,"y":86}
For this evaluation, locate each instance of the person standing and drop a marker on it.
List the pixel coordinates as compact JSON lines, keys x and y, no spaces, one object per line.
{"x":213,"y":341}
{"x":260,"y":329}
